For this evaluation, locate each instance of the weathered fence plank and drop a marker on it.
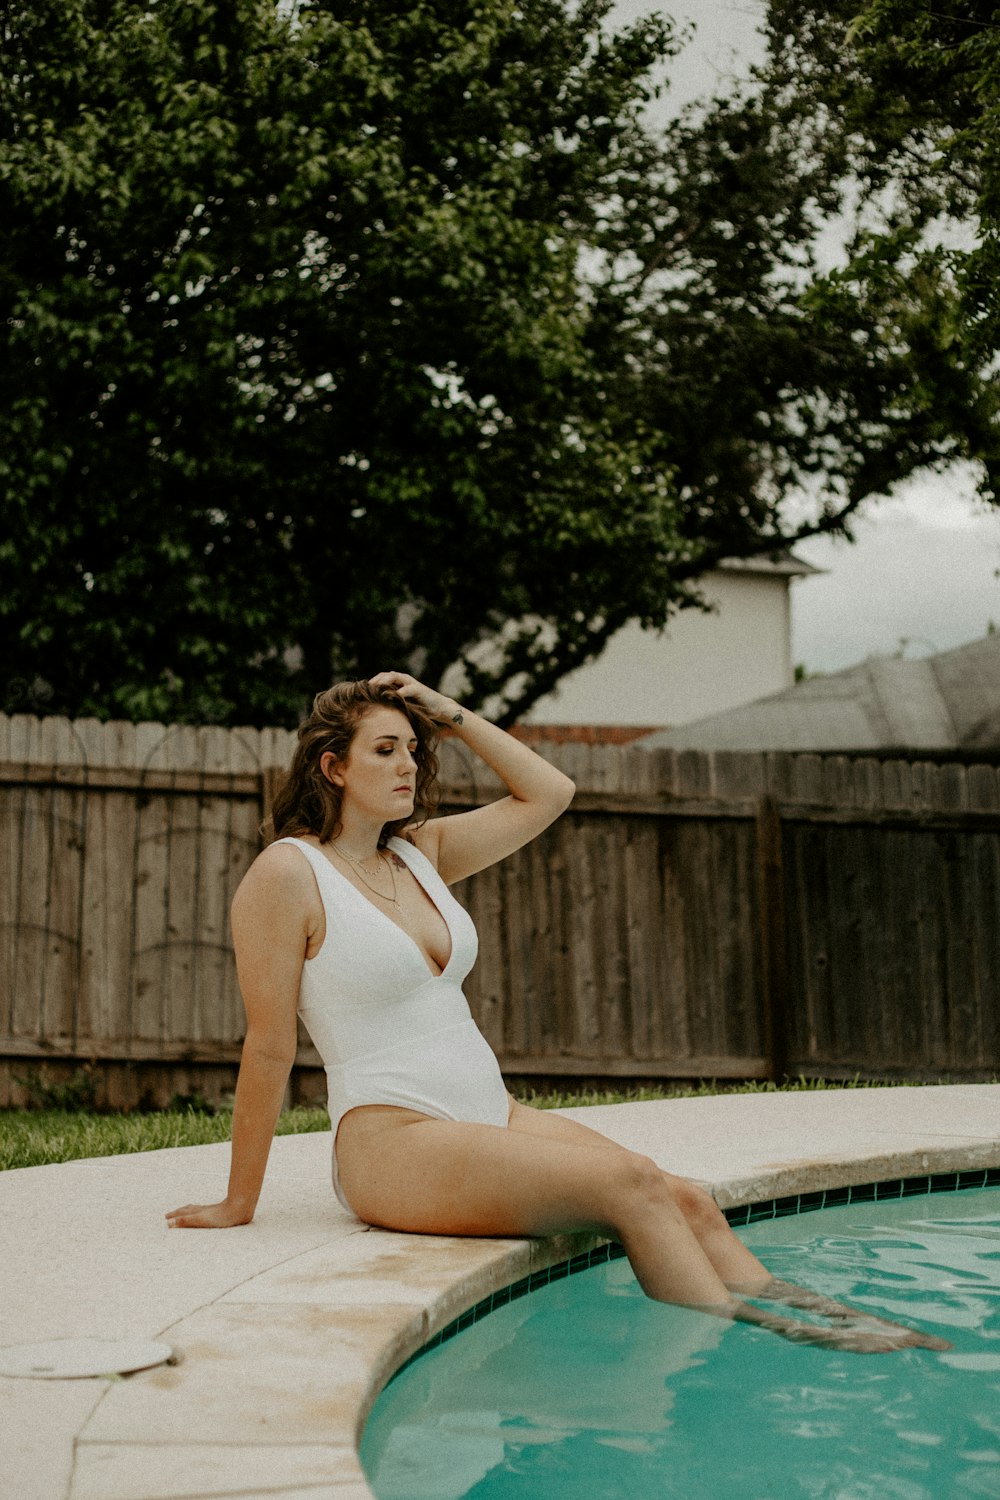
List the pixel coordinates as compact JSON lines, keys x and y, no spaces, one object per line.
{"x":773,"y":961}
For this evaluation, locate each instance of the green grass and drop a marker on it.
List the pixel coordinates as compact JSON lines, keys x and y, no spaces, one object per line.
{"x":575,"y":1098}
{"x":38,"y":1137}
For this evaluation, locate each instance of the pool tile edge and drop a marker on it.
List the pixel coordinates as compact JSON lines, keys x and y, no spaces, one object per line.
{"x":809,"y":1175}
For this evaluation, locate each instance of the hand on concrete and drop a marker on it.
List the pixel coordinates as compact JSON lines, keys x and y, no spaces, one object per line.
{"x":208,"y":1216}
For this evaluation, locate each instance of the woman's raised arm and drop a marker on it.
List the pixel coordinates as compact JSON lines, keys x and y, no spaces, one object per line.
{"x":466,"y":842}
{"x":270,"y":919}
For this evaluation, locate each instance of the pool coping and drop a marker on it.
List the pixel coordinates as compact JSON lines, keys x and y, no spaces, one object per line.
{"x":257,"y":1406}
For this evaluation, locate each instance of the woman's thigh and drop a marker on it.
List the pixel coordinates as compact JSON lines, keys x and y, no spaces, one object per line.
{"x":689,"y":1198}
{"x":550,"y":1126}
{"x":403,"y":1170}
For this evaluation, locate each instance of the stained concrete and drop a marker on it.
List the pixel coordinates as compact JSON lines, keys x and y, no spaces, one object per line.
{"x":285,"y":1329}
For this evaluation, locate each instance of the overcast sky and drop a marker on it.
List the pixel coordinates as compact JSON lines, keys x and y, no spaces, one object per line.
{"x":922,"y":573}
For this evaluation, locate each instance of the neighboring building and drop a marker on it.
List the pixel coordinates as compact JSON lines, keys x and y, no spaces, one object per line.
{"x":950,"y":701}
{"x":700,"y":664}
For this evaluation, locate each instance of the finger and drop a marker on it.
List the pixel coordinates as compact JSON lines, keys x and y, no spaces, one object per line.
{"x":184,"y":1217}
{"x":407,"y":687}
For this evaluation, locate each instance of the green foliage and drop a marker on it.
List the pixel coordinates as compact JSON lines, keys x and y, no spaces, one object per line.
{"x":771,"y":375}
{"x":78,"y":1095}
{"x":575,"y":1098}
{"x":901,"y":99}
{"x":297,"y":380}
{"x":194,"y":1101}
{"x":943,"y":69}
{"x":341,"y":337}
{"x":39,"y":1137}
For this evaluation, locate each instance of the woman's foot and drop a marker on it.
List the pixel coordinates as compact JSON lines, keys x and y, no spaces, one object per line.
{"x":790,"y":1295}
{"x":855,"y":1338}
{"x":913,"y":1338}
{"x":854,"y":1332}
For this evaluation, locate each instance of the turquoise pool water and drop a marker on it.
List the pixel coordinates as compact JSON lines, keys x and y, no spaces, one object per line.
{"x":585,"y":1388}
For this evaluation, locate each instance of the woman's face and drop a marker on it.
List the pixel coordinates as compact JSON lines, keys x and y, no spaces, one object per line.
{"x":379,"y":776}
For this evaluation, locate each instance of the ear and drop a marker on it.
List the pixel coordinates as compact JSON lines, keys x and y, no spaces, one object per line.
{"x":328,"y":764}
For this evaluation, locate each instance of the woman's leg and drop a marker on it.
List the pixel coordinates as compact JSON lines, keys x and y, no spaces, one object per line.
{"x":735,"y":1264}
{"x":401,"y":1170}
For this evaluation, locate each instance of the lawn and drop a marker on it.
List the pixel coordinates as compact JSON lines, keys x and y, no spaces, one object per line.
{"x":38,"y":1137}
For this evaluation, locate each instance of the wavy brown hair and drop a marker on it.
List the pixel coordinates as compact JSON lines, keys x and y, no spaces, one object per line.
{"x":307,"y":802}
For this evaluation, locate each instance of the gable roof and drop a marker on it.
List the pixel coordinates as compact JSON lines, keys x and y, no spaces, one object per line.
{"x":950,"y":701}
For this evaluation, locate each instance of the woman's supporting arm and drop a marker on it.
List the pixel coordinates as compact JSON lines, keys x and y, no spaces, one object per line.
{"x":260,"y":1089}
{"x":270,"y":920}
{"x":538,"y":792}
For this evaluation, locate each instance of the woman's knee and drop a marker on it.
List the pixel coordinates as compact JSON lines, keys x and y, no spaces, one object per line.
{"x":696,"y":1204}
{"x":640,"y":1179}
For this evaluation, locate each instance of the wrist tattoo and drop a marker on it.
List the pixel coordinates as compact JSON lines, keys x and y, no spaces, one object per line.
{"x":458,"y":718}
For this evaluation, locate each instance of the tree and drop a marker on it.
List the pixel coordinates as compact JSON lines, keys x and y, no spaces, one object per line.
{"x":771,"y":377}
{"x":900,"y":98}
{"x":296,"y":380}
{"x":384,"y":334}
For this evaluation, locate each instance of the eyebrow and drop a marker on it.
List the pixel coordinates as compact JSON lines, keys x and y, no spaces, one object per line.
{"x":395,"y":737}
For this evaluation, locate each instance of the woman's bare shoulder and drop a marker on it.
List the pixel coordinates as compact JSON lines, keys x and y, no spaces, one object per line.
{"x":280,"y":872}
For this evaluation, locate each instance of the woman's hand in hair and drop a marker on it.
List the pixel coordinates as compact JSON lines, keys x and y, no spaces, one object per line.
{"x":444,"y":711}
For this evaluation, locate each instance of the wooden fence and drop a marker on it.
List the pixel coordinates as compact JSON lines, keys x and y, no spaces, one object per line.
{"x":694,"y":914}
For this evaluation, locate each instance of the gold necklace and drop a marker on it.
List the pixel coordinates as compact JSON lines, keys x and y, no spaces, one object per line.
{"x":393,"y":899}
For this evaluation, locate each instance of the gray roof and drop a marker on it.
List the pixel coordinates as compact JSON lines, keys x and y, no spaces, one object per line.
{"x":784,"y":563}
{"x":950,"y":701}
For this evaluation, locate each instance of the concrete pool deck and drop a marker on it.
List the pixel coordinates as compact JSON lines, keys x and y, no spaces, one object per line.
{"x":285,"y":1329}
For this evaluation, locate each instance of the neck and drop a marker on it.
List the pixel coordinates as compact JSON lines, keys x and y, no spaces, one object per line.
{"x":359,"y":836}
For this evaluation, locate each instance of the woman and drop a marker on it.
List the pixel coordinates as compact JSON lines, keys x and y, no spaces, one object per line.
{"x":347,"y":920}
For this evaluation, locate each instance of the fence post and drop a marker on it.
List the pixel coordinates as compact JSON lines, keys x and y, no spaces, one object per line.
{"x":771,"y":901}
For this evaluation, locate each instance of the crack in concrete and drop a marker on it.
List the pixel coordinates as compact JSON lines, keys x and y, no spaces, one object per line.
{"x":80,"y":1436}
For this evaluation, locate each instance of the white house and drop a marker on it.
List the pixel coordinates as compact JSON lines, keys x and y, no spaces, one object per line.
{"x":699,"y":664}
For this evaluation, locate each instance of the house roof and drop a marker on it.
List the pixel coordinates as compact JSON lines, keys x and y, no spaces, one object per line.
{"x":784,"y":563}
{"x":950,"y":701}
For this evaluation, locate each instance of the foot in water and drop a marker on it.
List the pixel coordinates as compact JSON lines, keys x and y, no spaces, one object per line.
{"x":861,"y":1338}
{"x":809,"y":1301}
{"x":854,"y":1330}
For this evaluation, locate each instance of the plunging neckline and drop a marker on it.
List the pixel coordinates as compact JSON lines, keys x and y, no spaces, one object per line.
{"x":392,"y":922}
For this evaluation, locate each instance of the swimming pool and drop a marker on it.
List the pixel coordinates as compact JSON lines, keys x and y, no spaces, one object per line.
{"x":585,"y":1387}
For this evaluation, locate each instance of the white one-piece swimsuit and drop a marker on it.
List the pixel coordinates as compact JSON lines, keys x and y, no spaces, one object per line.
{"x":388,"y":1030}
